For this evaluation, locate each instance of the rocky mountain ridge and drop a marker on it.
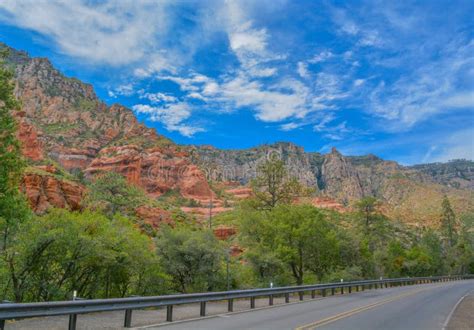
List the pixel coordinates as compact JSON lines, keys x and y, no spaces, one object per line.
{"x":410,"y":192}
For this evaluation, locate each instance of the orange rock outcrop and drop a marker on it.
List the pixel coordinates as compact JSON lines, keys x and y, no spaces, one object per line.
{"x":328,"y":203}
{"x":45,"y":191}
{"x":154,"y":216}
{"x":223,"y":232}
{"x":30,"y":145}
{"x":157,"y":170}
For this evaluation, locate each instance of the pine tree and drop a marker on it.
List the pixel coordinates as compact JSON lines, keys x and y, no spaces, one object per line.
{"x":448,"y":222}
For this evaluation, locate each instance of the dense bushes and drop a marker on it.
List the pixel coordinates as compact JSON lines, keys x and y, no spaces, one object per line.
{"x":65,"y":251}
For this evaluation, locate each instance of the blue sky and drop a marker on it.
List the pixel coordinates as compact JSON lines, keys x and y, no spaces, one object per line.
{"x":393,"y":78}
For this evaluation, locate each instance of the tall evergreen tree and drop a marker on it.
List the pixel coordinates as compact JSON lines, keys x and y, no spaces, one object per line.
{"x":448,"y":222}
{"x":13,"y":206}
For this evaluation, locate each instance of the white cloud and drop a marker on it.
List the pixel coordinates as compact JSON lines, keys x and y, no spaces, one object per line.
{"x":322,"y":123}
{"x":321,"y":57}
{"x":278,"y":102}
{"x":358,"y":82}
{"x":302,"y":70}
{"x":172,"y":117}
{"x":460,"y":100}
{"x":245,"y":39}
{"x":125,"y":90}
{"x":366,"y":35}
{"x":159,"y":97}
{"x":428,"y":90}
{"x":197,"y":96}
{"x":289,"y":126}
{"x":192,"y":83}
{"x":108,"y":31}
{"x":156,"y":63}
{"x":459,"y":145}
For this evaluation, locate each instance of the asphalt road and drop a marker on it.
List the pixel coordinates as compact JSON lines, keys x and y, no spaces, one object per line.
{"x":418,"y":307}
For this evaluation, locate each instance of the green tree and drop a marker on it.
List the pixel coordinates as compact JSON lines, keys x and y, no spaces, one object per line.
{"x":367,"y":207}
{"x":431,"y":243}
{"x":296,"y":235}
{"x":448,"y":222}
{"x":110,"y":193}
{"x":14,"y":209}
{"x":192,"y":258}
{"x":13,"y":206}
{"x":65,"y":251}
{"x":273,"y":185}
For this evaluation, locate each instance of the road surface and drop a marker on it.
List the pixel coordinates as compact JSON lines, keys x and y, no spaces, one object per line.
{"x":417,"y":307}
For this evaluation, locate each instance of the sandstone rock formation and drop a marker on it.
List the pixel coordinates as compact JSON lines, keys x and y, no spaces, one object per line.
{"x":224,"y":232}
{"x":157,"y":170}
{"x":45,"y":191}
{"x":63,"y":120}
{"x":154,"y":216}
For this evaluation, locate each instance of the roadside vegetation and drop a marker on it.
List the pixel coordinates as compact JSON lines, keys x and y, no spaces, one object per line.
{"x":103,"y":251}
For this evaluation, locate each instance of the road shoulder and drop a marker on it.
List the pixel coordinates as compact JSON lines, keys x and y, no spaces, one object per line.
{"x":463,"y":316}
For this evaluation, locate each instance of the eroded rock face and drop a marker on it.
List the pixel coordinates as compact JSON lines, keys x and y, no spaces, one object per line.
{"x":340,"y":179}
{"x":45,"y":191}
{"x":240,"y":192}
{"x":154,"y":216}
{"x":28,"y":137}
{"x":157,"y":170}
{"x":223,"y":232}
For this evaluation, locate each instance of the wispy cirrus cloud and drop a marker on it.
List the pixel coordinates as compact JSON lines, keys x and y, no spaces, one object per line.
{"x":430,"y":89}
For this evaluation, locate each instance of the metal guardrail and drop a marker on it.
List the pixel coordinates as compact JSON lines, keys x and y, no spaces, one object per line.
{"x":10,"y":311}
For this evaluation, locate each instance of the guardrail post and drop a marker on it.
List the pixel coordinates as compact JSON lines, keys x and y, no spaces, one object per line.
{"x":313,"y":294}
{"x":203,"y":308}
{"x":301,"y":295}
{"x":270,"y":300}
{"x":169,"y":313}
{"x":333,"y":291}
{"x":342,"y":290}
{"x":72,"y":321}
{"x":252,"y":302}
{"x":128,"y":319}
{"x":323,"y":292}
{"x":287,"y":297}
{"x":350,"y":289}
{"x":230,"y":305}
{"x":2,"y":324}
